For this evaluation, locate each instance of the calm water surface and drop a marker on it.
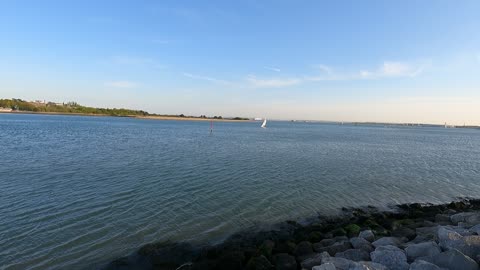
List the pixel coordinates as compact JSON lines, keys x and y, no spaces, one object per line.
{"x":76,"y":192}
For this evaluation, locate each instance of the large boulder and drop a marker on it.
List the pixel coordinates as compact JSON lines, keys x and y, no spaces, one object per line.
{"x":367,"y":235}
{"x":314,"y":259}
{"x":283,"y":261}
{"x":423,"y":265}
{"x":463,"y":217}
{"x":368,"y":266}
{"x":356,"y":255}
{"x":361,"y":243}
{"x":475,"y":229}
{"x":303,"y":249}
{"x":335,"y":248}
{"x":259,"y":263}
{"x":340,"y":263}
{"x":325,"y":266}
{"x":390,"y":256}
{"x":404,"y":232}
{"x":468,"y":245}
{"x":453,"y":260}
{"x":388,"y":241}
{"x":427,"y":232}
{"x":415,"y":251}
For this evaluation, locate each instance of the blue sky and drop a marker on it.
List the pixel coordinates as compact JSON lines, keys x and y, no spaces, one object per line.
{"x":398,"y":61}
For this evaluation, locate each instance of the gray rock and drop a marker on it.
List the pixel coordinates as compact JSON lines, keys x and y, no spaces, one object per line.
{"x":335,"y":248}
{"x":259,"y":263}
{"x":367,"y":235}
{"x":390,"y":256}
{"x":427,"y":232}
{"x":468,"y":245}
{"x":315,"y":259}
{"x":404,"y":232}
{"x":442,"y":218}
{"x":361,"y":243}
{"x":387,"y":241}
{"x":326,"y":242}
{"x":303,"y":249}
{"x":461,"y":217}
{"x":423,"y":265}
{"x":325,"y":266}
{"x":415,"y":251}
{"x":340,"y":263}
{"x":368,"y":266}
{"x":283,"y":261}
{"x":473,"y":219}
{"x":463,"y":231}
{"x":453,"y":260}
{"x":475,"y":229}
{"x":356,"y":255}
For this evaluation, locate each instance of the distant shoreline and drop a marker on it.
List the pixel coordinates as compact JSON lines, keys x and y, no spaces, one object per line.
{"x":151,"y":117}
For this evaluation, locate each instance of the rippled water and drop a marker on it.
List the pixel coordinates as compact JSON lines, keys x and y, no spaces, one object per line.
{"x":76,"y":192}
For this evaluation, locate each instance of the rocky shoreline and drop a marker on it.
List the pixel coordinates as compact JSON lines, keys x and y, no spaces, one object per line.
{"x":409,"y":236}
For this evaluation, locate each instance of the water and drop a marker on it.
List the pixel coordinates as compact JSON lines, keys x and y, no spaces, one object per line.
{"x":77,"y":192}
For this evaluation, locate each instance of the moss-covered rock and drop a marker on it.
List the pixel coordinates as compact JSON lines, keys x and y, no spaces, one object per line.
{"x":315,"y":237}
{"x":339,"y":232}
{"x":352,"y":230}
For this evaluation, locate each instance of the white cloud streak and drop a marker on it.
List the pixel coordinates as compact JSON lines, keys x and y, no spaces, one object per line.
{"x":272,"y":69}
{"x":205,"y":78}
{"x":272,"y":82}
{"x":121,"y":84}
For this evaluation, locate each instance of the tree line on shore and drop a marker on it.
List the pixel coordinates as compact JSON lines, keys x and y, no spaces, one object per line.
{"x":73,"y":107}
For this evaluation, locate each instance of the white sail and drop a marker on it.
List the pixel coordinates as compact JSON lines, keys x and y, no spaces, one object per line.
{"x":264,"y":123}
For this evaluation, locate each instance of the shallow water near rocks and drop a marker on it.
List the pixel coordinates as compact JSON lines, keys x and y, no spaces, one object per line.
{"x":77,"y":192}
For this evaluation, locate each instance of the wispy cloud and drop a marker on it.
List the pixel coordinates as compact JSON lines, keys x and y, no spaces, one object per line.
{"x":394,"y":69}
{"x":272,"y":69}
{"x":121,"y":84}
{"x":205,"y":78}
{"x":272,"y":82}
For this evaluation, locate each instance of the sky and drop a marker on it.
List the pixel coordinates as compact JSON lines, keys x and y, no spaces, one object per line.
{"x":383,"y":61}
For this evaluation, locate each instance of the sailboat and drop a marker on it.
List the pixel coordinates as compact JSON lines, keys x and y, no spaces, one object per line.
{"x":264,"y":124}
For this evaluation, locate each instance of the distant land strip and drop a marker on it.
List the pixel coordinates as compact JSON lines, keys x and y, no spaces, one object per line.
{"x":15,"y":105}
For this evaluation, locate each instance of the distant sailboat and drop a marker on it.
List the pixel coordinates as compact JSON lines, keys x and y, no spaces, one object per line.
{"x":264,"y":125}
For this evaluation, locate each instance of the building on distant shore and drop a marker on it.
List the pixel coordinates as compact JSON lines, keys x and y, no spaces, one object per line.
{"x":258,"y":119}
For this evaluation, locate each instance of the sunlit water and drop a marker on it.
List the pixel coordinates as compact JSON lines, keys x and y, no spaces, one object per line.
{"x":77,"y":192}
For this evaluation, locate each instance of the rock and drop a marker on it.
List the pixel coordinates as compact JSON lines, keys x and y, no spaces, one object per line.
{"x":369,"y":266}
{"x":352,"y":230}
{"x":427,"y":232}
{"x":458,"y":229}
{"x":390,"y":256}
{"x":315,"y":259}
{"x":315,"y":236}
{"x":356,"y":255}
{"x":335,"y":248}
{"x":423,"y":265}
{"x":453,"y":260}
{"x":442,"y":218}
{"x":303,"y":248}
{"x":231,"y":260}
{"x":283,"y":261}
{"x":340,"y":263}
{"x":367,"y":235}
{"x":339,"y":232}
{"x":327,"y":242}
{"x":468,"y":245}
{"x":404,"y":232}
{"x":415,"y":251}
{"x":461,"y":217}
{"x":387,"y":241}
{"x":361,"y":243}
{"x":285,"y":247}
{"x":259,"y":263}
{"x":473,"y":219}
{"x":266,"y":248}
{"x":475,"y":229}
{"x":325,"y":266}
